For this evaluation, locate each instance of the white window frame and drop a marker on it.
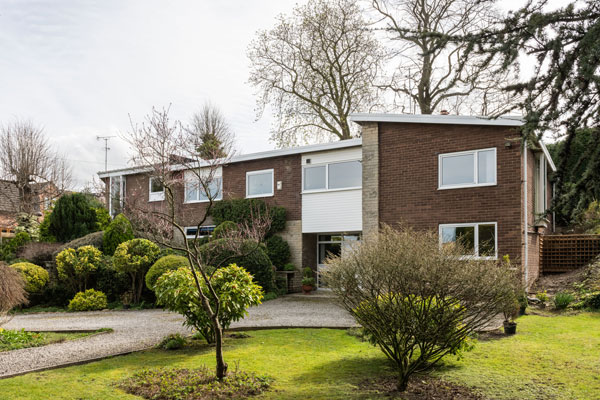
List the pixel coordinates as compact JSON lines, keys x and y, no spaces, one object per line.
{"x":475,"y":169}
{"x":121,"y":193}
{"x":218,"y":175}
{"x":326,"y":165}
{"x":185,"y":229}
{"x":155,"y":196}
{"x":476,"y":238}
{"x":260,"y":172}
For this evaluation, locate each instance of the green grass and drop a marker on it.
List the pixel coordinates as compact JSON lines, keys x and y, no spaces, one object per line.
{"x":14,"y":340}
{"x":549,"y":358}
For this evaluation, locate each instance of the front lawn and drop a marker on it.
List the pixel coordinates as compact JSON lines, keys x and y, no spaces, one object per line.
{"x":550,"y":357}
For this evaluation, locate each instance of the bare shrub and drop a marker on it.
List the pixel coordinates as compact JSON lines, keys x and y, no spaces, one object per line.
{"x":416,"y":301}
{"x":12,"y":291}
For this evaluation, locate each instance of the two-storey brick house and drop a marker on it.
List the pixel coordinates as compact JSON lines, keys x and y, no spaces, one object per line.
{"x":465,"y":177}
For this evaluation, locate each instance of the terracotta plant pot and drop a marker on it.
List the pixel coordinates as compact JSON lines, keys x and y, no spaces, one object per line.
{"x":510,"y":328}
{"x":307,"y":289}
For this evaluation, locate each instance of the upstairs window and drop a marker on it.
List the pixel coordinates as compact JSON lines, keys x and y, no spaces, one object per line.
{"x":478,"y":240}
{"x":195,"y":192}
{"x":259,"y":183}
{"x":157,"y":190}
{"x":333,"y":176}
{"x":467,"y":169}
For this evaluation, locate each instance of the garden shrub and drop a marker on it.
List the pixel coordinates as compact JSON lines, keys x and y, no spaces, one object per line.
{"x":38,"y":252}
{"x":45,"y":235}
{"x":254,"y":259}
{"x":224,"y":228}
{"x":562,"y":300}
{"x":172,"y":342}
{"x":117,"y":232}
{"x":29,"y":224}
{"x":35,"y":276}
{"x":243,"y":211}
{"x":134,"y":257}
{"x":10,"y":247}
{"x":103,"y":219}
{"x":76,"y":266}
{"x":162,"y":265}
{"x":12,"y":291}
{"x":110,"y":281}
{"x":289,"y":267}
{"x":90,"y":300}
{"x":278,"y":250}
{"x":93,"y":239}
{"x":177,"y":291}
{"x":416,"y":301}
{"x":72,"y":217}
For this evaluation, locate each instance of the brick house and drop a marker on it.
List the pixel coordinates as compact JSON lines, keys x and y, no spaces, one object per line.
{"x":464,"y":177}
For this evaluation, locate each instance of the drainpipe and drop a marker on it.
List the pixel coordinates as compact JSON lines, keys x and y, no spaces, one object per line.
{"x":525,"y":215}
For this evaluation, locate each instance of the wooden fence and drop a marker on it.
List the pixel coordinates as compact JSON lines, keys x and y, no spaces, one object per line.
{"x":564,"y":253}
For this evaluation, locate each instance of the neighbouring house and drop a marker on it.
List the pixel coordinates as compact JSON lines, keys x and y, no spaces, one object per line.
{"x":10,"y":204}
{"x":464,"y":177}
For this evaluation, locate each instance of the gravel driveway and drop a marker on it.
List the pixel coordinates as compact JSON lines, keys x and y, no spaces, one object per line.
{"x":138,"y":330}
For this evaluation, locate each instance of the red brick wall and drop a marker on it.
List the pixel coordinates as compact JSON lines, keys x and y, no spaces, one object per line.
{"x":287,"y":169}
{"x":408,"y":171}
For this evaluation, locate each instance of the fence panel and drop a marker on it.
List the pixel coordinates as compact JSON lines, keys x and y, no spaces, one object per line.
{"x":564,"y":253}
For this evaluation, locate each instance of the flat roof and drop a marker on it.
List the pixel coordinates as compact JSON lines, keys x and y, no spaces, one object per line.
{"x":437,"y":119}
{"x":342,"y":144}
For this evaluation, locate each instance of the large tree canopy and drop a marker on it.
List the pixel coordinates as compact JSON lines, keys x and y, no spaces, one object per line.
{"x":314,"y":68}
{"x":563,"y":92}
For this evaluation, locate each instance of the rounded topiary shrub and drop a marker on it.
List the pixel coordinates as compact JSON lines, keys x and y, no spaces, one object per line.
{"x":224,"y":228}
{"x":278,"y":250}
{"x":35,"y":276}
{"x":117,"y":232}
{"x":162,"y":265}
{"x":255,"y":259}
{"x":90,"y":300}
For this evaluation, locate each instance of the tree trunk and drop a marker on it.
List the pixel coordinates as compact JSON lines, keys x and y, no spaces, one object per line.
{"x":133,"y":291}
{"x":402,"y":382}
{"x":221,"y":364}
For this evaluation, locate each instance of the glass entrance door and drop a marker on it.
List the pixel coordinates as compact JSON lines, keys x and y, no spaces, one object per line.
{"x":335,"y":244}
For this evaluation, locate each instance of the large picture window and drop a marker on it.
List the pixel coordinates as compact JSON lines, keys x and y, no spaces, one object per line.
{"x":195,"y":192}
{"x":117,"y":195}
{"x":333,"y":176}
{"x":259,"y":183}
{"x":192,"y":231}
{"x":477,"y":239}
{"x":467,"y":169}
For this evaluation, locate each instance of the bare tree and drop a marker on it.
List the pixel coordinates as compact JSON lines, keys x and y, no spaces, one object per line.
{"x":314,"y":68}
{"x":210,"y":128}
{"x":177,"y":157}
{"x":29,"y":163}
{"x":433,"y":73}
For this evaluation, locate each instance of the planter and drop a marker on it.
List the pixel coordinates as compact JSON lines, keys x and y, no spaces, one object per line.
{"x":510,"y":328}
{"x":522,"y":310}
{"x":306,"y":289}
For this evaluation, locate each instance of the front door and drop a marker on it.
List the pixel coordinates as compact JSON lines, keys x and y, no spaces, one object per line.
{"x":334,"y":244}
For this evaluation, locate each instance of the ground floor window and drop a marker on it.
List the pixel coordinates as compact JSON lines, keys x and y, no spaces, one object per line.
{"x":191,"y":231}
{"x":332,"y":245}
{"x":478,"y":239}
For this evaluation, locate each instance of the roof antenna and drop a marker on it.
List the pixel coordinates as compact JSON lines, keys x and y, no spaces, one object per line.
{"x":106,"y":149}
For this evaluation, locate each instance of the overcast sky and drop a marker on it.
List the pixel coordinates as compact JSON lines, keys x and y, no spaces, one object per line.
{"x":78,"y":68}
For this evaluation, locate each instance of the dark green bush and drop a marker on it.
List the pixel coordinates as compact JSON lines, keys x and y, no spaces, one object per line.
{"x":562,"y":300}
{"x":110,"y":281}
{"x":592,"y":300}
{"x":289,"y":267}
{"x":255,"y":260}
{"x":224,"y":229}
{"x":117,"y":232}
{"x":73,"y":217}
{"x":9,"y":248}
{"x":172,"y":342}
{"x":90,"y":300}
{"x":162,"y":265}
{"x":243,"y":210}
{"x":278,"y":250}
{"x":45,"y":235}
{"x":35,"y":276}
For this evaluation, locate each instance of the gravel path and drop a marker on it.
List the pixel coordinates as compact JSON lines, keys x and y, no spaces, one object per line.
{"x":138,"y":330}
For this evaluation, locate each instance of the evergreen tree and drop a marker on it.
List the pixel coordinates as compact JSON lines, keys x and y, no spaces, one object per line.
{"x":73,"y":217}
